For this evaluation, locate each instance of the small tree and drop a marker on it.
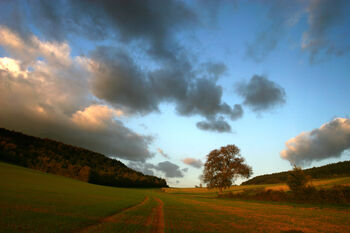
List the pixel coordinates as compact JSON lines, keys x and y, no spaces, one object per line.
{"x":297,"y":180}
{"x":224,"y":166}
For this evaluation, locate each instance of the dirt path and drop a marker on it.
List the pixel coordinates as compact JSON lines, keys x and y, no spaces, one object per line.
{"x":112,"y":218}
{"x":156,"y":218}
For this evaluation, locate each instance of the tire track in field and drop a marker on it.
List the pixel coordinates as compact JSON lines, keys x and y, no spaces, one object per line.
{"x":113,"y":217}
{"x":156,"y":218}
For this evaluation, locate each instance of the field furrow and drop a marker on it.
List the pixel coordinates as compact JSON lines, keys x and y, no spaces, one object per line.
{"x":112,"y":218}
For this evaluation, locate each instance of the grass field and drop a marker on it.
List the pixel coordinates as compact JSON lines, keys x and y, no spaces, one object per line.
{"x":32,"y":201}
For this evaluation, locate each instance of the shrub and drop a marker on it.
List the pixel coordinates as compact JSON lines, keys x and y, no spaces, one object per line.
{"x":297,"y":180}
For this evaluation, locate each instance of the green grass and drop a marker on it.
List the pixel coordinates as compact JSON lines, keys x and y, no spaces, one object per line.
{"x":32,"y":201}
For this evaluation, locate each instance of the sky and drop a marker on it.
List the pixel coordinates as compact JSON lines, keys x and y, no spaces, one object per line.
{"x":158,"y":84}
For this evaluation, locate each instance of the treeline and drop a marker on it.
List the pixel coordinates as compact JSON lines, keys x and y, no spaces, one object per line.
{"x":58,"y":158}
{"x":328,"y":171}
{"x":334,"y":195}
{"x":300,"y":191}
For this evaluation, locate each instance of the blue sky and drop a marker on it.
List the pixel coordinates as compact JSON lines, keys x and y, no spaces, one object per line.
{"x":138,"y":79}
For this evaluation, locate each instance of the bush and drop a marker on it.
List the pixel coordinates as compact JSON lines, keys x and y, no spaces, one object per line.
{"x":297,"y":180}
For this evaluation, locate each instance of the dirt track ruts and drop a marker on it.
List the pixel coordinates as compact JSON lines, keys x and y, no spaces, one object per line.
{"x":112,"y":217}
{"x":156,"y":218}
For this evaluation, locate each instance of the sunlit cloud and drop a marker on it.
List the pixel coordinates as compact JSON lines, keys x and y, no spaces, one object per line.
{"x":328,"y":141}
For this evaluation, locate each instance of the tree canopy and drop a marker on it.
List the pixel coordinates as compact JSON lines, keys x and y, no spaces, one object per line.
{"x":297,"y":179}
{"x":224,"y":166}
{"x":61,"y":159}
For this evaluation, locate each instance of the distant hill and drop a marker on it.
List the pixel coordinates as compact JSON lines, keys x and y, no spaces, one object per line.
{"x":70,"y":161}
{"x":328,"y":171}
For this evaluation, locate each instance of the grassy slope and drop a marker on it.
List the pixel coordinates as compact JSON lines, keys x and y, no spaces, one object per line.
{"x":31,"y":201}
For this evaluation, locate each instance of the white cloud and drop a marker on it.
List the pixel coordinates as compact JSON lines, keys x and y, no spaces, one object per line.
{"x":330,"y":140}
{"x":44,"y":92}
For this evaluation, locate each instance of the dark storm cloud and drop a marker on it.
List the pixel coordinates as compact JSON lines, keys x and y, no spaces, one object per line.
{"x":328,"y":141}
{"x":170,"y":170}
{"x":215,"y":70}
{"x":119,"y":81}
{"x":153,"y":22}
{"x":145,"y":168}
{"x":324,"y":17}
{"x":261,"y":94}
{"x":216,"y":125}
{"x":146,"y":29}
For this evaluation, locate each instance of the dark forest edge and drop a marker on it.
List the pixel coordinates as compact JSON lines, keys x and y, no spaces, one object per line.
{"x":333,"y":170}
{"x":66,"y":160}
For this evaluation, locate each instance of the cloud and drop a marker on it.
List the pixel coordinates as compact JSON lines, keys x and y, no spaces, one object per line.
{"x":160,"y":151}
{"x":49,"y":97}
{"x":197,"y":163}
{"x":281,"y":16}
{"x":328,"y":141}
{"x":29,"y":49}
{"x":119,"y":81}
{"x":261,"y":94}
{"x":216,"y":125}
{"x":154,"y":23}
{"x":327,"y":28}
{"x":145,"y":168}
{"x":215,"y":70}
{"x":170,"y":170}
{"x":326,"y":34}
{"x":96,"y":117}
{"x":140,"y":32}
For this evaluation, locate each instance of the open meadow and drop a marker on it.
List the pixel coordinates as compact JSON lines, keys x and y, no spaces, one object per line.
{"x":32,"y":201}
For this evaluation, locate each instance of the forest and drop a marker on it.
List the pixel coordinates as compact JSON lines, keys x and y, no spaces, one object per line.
{"x":340,"y":169}
{"x":66,"y":160}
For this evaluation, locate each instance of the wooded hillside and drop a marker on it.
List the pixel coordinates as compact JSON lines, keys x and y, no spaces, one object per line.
{"x":328,"y":171}
{"x":66,"y":160}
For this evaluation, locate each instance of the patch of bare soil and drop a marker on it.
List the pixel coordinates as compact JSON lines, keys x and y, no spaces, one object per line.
{"x":156,"y":218}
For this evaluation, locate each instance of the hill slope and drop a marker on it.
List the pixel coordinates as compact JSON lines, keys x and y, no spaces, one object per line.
{"x":74,"y":162}
{"x":328,"y":171}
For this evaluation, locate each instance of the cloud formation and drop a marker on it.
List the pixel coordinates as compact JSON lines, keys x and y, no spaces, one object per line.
{"x":49,"y":97}
{"x":261,"y":94}
{"x":169,"y":169}
{"x":326,"y":35}
{"x":165,"y":155}
{"x":146,"y":30}
{"x":281,"y":16}
{"x":216,"y":125}
{"x":328,"y":141}
{"x":327,"y":21}
{"x":196,"y":163}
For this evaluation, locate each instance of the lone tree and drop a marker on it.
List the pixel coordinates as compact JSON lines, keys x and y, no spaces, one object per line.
{"x":224,"y":166}
{"x":297,"y":180}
